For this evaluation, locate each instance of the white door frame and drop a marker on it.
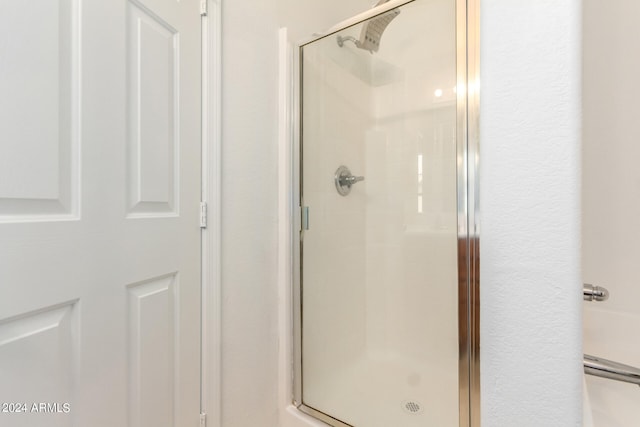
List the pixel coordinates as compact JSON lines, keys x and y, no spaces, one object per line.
{"x":211,"y":371}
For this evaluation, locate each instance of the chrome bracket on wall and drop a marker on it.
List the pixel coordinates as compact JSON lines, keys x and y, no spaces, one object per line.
{"x":594,"y":293}
{"x":344,"y":180}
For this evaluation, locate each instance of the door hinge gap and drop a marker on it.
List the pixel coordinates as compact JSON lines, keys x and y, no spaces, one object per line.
{"x":203,"y":214}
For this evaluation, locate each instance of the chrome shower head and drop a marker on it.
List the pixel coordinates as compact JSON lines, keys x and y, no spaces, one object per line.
{"x":372,"y":30}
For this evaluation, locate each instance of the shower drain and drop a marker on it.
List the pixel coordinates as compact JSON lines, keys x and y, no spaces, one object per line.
{"x":412,"y":407}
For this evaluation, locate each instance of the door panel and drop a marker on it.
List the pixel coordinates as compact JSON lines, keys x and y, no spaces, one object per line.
{"x":38,"y":112}
{"x":99,"y":212}
{"x":152,"y":72}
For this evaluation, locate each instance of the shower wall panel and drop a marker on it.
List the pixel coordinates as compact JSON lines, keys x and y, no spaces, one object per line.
{"x":334,"y":329}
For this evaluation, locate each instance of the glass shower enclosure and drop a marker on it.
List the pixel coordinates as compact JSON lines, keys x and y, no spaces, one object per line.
{"x":386,"y":297}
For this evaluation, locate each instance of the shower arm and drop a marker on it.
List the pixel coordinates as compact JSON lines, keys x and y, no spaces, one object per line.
{"x":341,"y":40}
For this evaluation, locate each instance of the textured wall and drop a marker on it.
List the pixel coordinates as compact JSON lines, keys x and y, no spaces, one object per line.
{"x":530,"y":244}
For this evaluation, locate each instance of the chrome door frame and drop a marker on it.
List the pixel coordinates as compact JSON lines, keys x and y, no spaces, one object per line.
{"x":467,"y":141}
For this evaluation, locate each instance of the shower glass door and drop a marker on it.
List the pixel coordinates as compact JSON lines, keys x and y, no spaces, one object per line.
{"x":379,"y":267}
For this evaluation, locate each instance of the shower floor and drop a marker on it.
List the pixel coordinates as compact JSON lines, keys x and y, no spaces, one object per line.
{"x":394,"y":392}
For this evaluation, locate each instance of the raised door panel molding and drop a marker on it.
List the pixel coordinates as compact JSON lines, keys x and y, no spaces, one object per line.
{"x":153,"y":136}
{"x":39,"y":82}
{"x":38,"y":355}
{"x":152,"y":351}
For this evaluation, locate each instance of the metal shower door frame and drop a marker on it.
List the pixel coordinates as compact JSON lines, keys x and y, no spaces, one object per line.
{"x":468,"y":208}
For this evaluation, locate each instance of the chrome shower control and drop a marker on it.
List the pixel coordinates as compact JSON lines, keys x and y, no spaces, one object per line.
{"x":344,"y":180}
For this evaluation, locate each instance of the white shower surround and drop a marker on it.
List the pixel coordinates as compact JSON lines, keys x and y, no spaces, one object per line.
{"x":380,"y":294}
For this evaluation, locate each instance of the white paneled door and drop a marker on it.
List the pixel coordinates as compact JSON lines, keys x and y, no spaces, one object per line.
{"x":99,"y":213}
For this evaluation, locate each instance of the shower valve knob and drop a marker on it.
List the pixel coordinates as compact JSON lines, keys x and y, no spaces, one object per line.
{"x":344,"y":180}
{"x":350,"y":180}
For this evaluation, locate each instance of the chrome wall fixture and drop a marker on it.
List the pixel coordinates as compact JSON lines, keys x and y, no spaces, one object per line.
{"x":372,"y":31}
{"x":598,"y":366}
{"x":344,"y":180}
{"x":594,"y":293}
{"x":604,"y":368}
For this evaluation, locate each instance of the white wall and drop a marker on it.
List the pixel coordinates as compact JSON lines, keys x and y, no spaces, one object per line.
{"x":249,"y":213}
{"x":531,"y":320}
{"x":530,"y":243}
{"x":611,"y":200}
{"x":302,"y":18}
{"x":249,"y":190}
